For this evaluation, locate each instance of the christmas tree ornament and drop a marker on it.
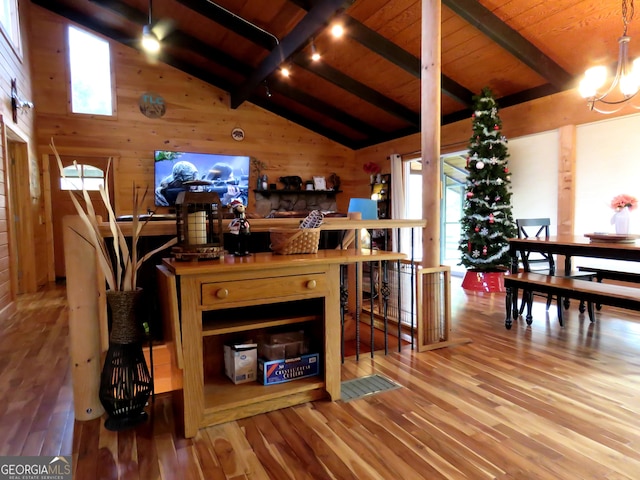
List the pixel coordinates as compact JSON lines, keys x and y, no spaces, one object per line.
{"x":469,"y":194}
{"x":480,"y":165}
{"x":496,"y":127}
{"x":491,"y":218}
{"x":484,"y":250}
{"x":477,"y":229}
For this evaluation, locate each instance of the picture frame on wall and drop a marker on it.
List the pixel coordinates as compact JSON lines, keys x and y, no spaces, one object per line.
{"x":319,"y":183}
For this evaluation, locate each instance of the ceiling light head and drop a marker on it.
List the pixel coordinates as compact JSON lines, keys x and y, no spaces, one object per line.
{"x":337,"y":30}
{"x":150,"y":42}
{"x":285,"y":71}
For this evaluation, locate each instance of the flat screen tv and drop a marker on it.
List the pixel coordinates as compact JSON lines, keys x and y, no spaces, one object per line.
{"x":228,"y":174}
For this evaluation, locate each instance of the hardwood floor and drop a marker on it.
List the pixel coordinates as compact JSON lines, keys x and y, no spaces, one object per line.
{"x":539,"y":402}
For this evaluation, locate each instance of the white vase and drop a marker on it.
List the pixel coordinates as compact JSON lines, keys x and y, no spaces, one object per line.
{"x":621,"y":221}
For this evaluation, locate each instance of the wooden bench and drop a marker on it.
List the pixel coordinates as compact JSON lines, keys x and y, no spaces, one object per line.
{"x":563,"y":287}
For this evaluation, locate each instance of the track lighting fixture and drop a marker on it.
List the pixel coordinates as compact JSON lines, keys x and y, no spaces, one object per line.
{"x":315,"y":56}
{"x":285,"y":71}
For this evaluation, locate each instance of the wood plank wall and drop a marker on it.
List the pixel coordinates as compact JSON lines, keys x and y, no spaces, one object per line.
{"x":198,"y":118}
{"x":15,"y":64}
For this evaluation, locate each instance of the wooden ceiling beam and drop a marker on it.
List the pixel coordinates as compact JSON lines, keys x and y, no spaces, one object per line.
{"x":314,"y":21}
{"x":322,"y":107}
{"x":302,"y":121}
{"x":358,"y":89}
{"x":509,"y":39}
{"x":398,"y":56}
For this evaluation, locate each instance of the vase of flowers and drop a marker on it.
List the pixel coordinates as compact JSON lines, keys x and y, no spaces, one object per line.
{"x":373,"y":169}
{"x":622,"y":205}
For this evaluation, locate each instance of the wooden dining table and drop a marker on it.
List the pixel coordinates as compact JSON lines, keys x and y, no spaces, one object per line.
{"x":573,"y":246}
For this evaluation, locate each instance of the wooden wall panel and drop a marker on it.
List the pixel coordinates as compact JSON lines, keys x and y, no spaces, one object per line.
{"x":14,"y":64}
{"x":198,"y":118}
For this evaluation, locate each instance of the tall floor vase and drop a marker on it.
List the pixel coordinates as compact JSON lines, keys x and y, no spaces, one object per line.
{"x":125,"y":382}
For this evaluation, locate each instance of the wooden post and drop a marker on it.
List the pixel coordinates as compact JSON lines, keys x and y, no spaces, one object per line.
{"x":84,"y":326}
{"x":566,"y":185}
{"x":430,"y":123}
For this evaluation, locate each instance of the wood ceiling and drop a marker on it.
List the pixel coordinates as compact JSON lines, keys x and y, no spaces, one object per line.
{"x":366,"y":87}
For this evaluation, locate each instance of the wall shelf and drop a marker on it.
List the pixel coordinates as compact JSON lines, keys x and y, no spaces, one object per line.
{"x":268,"y":193}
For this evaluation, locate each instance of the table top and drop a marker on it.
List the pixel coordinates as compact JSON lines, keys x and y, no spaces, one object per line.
{"x":575,"y":245}
{"x":268,"y":260}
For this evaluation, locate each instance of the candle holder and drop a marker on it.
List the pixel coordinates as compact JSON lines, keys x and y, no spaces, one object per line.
{"x":198,"y":224}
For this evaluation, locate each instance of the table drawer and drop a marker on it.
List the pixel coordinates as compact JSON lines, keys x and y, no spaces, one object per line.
{"x":248,"y":291}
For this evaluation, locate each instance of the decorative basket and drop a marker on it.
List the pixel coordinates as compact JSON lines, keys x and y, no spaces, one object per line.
{"x":289,"y":241}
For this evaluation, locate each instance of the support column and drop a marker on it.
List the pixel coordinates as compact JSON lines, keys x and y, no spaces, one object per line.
{"x":566,"y":184}
{"x":84,"y":320}
{"x":430,"y":126}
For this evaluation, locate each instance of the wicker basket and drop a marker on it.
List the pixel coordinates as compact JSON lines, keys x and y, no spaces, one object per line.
{"x":289,"y":241}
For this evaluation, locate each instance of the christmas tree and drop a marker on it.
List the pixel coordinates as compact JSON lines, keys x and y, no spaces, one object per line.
{"x":488,"y":223}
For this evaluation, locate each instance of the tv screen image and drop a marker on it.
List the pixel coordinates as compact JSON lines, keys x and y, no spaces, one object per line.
{"x":228,"y":174}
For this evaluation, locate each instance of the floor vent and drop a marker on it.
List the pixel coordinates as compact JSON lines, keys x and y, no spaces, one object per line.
{"x":361,"y":387}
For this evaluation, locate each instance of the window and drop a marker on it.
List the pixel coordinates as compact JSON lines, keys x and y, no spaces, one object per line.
{"x":85,"y":175}
{"x":9,"y":21}
{"x":90,"y":72}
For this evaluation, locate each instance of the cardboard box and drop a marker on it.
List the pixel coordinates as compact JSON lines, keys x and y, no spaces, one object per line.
{"x":282,"y":345}
{"x":240,"y":362}
{"x":280,"y":371}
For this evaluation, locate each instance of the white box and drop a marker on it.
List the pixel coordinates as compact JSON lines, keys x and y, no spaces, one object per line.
{"x":241,"y":362}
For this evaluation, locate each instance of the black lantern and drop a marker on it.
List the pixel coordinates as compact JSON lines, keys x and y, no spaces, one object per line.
{"x":198,"y":224}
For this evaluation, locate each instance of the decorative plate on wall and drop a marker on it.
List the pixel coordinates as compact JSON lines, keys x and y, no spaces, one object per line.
{"x":237,"y":134}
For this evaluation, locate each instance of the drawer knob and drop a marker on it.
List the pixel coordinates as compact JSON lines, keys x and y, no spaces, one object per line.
{"x":222,"y":293}
{"x":311,"y":284}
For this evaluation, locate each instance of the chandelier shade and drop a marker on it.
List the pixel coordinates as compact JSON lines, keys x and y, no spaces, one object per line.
{"x":625,"y":83}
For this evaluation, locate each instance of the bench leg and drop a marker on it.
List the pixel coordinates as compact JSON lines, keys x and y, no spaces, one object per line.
{"x":592,"y":315}
{"x":508,"y":301}
{"x":581,"y":308}
{"x":560,"y":319}
{"x":523,"y":302}
{"x":529,"y":317}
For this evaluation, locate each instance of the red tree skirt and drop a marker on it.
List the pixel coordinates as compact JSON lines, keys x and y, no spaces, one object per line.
{"x":478,"y":281}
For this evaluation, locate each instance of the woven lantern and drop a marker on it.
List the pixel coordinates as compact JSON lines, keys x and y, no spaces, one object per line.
{"x":198,"y":224}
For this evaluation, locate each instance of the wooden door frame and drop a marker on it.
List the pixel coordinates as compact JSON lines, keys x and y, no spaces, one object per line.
{"x":21,"y":236}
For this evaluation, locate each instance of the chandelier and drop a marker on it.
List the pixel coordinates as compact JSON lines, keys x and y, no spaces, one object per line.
{"x":626,"y":82}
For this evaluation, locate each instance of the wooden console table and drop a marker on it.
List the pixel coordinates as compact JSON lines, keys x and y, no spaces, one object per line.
{"x":215,"y":303}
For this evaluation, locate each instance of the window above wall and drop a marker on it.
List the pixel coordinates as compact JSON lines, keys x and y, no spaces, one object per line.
{"x":10,"y":24}
{"x":90,"y":73}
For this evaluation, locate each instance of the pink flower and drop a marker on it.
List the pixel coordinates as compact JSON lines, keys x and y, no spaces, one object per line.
{"x":371,"y":168}
{"x":624,"y":200}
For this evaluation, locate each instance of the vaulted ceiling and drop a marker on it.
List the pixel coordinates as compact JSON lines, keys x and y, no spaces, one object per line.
{"x":366,"y":87}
